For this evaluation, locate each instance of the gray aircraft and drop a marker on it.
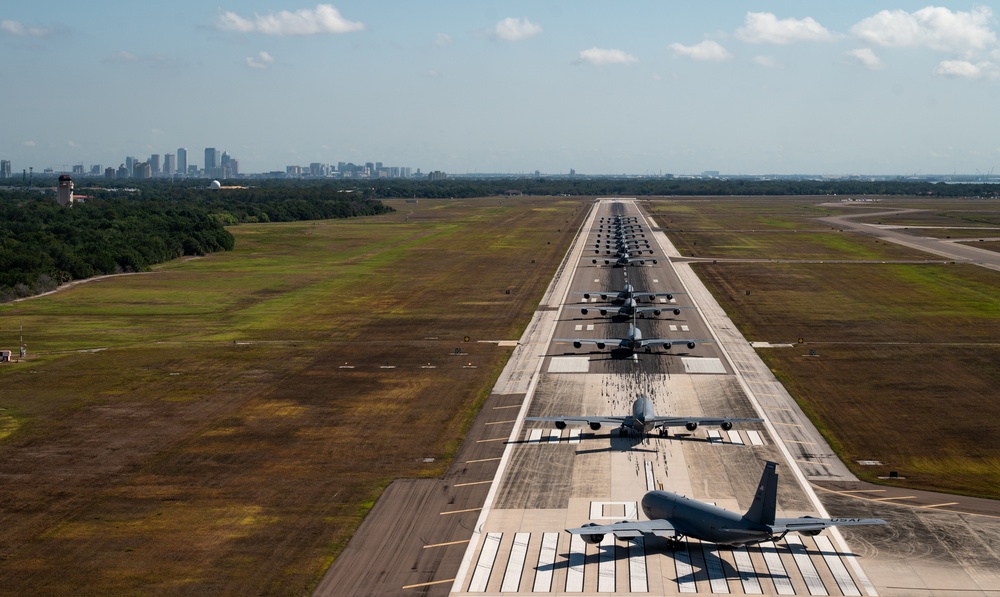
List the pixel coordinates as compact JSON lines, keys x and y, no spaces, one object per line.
{"x":643,"y":420}
{"x":626,"y":259}
{"x":628,"y":308}
{"x":627,"y":292}
{"x":631,"y":343}
{"x":673,"y":517}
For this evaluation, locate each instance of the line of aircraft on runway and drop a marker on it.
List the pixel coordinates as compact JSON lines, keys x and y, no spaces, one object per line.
{"x":670,"y":515}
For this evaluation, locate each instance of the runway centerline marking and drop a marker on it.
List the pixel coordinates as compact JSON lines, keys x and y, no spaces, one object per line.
{"x":495,"y":439}
{"x":940,"y":505}
{"x":472,"y":483}
{"x":901,"y":497}
{"x":483,"y":460}
{"x":502,"y":422}
{"x":427,"y":584}
{"x":460,"y":511}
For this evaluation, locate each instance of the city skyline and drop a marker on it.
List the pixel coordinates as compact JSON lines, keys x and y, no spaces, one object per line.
{"x":774,"y":87}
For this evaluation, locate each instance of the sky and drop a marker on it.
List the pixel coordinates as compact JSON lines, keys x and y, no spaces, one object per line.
{"x":760,"y":87}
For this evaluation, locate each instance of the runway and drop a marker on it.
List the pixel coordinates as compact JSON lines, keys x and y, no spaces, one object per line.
{"x":495,"y":525}
{"x":554,"y":479}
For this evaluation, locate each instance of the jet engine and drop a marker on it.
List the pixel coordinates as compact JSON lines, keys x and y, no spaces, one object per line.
{"x":586,"y":295}
{"x":595,"y":261}
{"x":691,"y":426}
{"x":656,"y":312}
{"x":562,"y":425}
{"x":670,"y":297}
{"x":691,"y":345}
{"x":583,"y":312}
{"x":676,"y":312}
{"x":654,"y":262}
{"x":726,"y":425}
{"x":604,"y":311}
{"x":595,"y":426}
{"x":600,"y":346}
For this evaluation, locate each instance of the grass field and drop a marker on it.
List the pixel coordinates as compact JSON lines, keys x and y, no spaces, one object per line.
{"x":221,"y":425}
{"x":908,"y":354}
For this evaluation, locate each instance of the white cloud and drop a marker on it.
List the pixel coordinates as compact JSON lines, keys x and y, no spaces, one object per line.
{"x":324,"y":19}
{"x":867,"y":57}
{"x":963,"y":69}
{"x":766,"y":28}
{"x":706,"y":50}
{"x":122,"y":56}
{"x":442,"y":40}
{"x":932,"y":27}
{"x":261,"y":61}
{"x":18,"y":28}
{"x":511,"y":29}
{"x":765,"y":61}
{"x":28,"y":143}
{"x":602,"y":56}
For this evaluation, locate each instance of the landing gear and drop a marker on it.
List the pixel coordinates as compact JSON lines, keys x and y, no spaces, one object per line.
{"x":676,"y":544}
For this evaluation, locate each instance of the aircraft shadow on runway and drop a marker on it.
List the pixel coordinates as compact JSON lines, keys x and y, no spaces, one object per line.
{"x":619,"y":443}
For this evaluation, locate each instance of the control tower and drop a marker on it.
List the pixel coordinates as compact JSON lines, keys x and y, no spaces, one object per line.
{"x":65,"y":190}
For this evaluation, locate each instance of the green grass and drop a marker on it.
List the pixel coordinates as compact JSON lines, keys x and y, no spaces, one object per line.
{"x":214,"y":445}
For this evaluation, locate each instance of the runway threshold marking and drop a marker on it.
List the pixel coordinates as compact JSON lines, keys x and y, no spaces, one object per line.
{"x":447,"y":544}
{"x":748,"y":576}
{"x":546,"y":563}
{"x":713,"y":563}
{"x":637,"y":580}
{"x":606,"y":565}
{"x":427,"y":584}
{"x":782,"y":583}
{"x":484,"y":566}
{"x":837,"y":567}
{"x":685,"y":572}
{"x":806,"y":568}
{"x":515,"y":563}
{"x":472,"y":483}
{"x":577,"y":558}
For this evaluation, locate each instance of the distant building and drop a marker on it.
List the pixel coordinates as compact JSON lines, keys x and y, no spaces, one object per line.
{"x":293,"y":171}
{"x":212,"y":162}
{"x":78,"y":169}
{"x":122,"y":171}
{"x":96,"y":169}
{"x":182,"y":160}
{"x":109,"y":172}
{"x":65,"y":190}
{"x":169,"y":164}
{"x":436,"y":175}
{"x":154,"y":164}
{"x":4,"y":168}
{"x":142,"y":170}
{"x":130,"y":163}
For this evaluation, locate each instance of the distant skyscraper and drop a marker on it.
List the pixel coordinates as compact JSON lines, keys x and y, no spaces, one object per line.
{"x":154,"y":164}
{"x":4,"y":168}
{"x":143,"y":170}
{"x":130,"y":163}
{"x":212,"y":162}
{"x":169,"y":164}
{"x":109,"y":172}
{"x":123,"y":171}
{"x":182,"y":161}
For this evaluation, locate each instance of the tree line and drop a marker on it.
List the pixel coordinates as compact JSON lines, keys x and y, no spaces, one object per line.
{"x":44,"y":245}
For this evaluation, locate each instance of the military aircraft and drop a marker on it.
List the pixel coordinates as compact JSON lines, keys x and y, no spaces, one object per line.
{"x":673,"y":517}
{"x":632,"y":343}
{"x":626,"y":293}
{"x":643,"y":420}
{"x":626,"y":259}
{"x":628,"y":308}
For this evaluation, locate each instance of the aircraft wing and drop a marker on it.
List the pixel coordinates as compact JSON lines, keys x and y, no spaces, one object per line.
{"x":629,"y":529}
{"x":580,"y":420}
{"x":808,"y":524}
{"x":604,"y":341}
{"x":681,"y":421}
{"x":672,"y":341}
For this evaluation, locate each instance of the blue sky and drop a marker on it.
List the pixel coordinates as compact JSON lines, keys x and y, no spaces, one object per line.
{"x":774,"y":87}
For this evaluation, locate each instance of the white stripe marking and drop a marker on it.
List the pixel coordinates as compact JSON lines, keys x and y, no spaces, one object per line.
{"x":555,"y":435}
{"x":590,"y":327}
{"x":840,"y":573}
{"x":485,"y":564}
{"x":685,"y":328}
{"x":546,"y":563}
{"x":673,"y":328}
{"x":755,"y":438}
{"x":637,"y":582}
{"x":782,"y":584}
{"x":685,"y":572}
{"x":806,"y":568}
{"x":606,"y":565}
{"x":748,"y":576}
{"x":515,"y":564}
{"x":650,"y":482}
{"x":714,"y":436}
{"x":578,"y":327}
{"x":534,"y":436}
{"x":574,"y":436}
{"x":577,"y":557}
{"x":716,"y":574}
{"x":734,"y":436}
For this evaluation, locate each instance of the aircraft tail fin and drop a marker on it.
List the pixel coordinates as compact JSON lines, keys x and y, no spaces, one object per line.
{"x":765,"y":500}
